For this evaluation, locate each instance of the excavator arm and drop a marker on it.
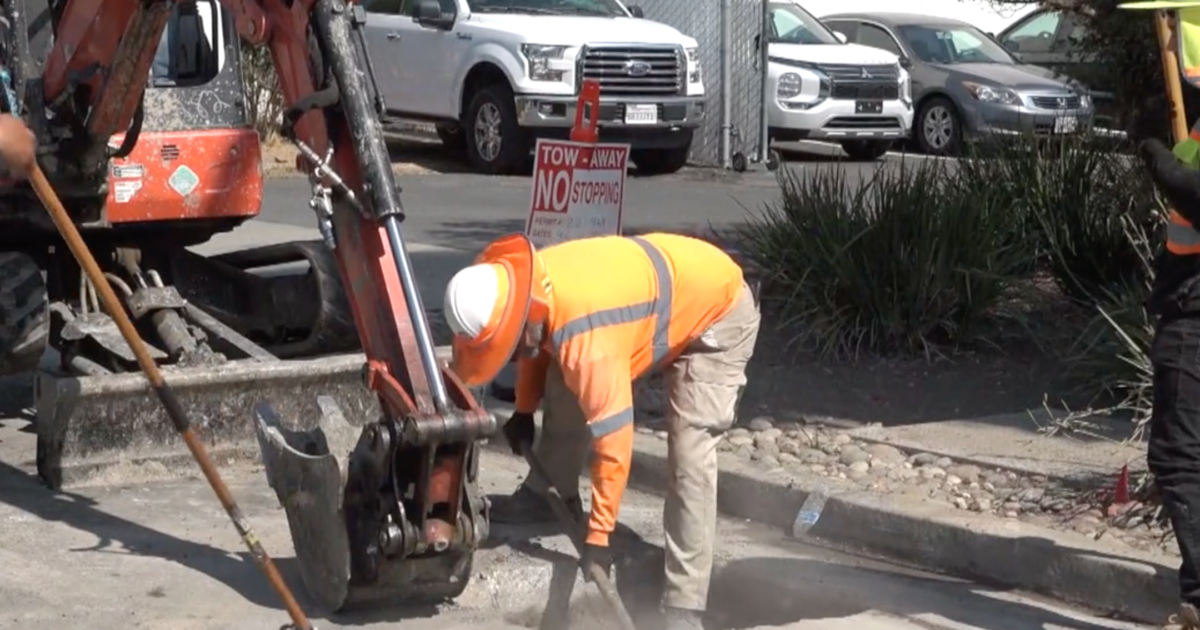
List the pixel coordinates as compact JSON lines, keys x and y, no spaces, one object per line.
{"x":397,"y":514}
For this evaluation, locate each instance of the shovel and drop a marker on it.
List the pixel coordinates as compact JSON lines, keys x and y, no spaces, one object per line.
{"x":562,"y":581}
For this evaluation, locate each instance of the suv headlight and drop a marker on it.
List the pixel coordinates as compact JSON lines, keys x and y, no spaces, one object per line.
{"x":789,"y":85}
{"x":992,"y":94}
{"x":693,"y":61}
{"x":541,"y":58}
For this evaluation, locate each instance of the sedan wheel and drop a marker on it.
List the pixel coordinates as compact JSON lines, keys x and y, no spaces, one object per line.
{"x":940,"y":130}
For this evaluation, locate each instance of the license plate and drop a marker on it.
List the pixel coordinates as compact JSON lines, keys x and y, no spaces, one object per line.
{"x":868,"y":107}
{"x":1065,"y":124}
{"x":641,"y":114}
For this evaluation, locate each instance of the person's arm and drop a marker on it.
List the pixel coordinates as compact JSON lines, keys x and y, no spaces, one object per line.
{"x":1178,"y":182}
{"x":603,"y":387}
{"x":531,"y":381}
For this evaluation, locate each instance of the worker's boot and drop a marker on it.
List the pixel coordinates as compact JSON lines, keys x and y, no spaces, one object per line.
{"x":682,"y":619}
{"x":527,"y":506}
{"x":1188,"y":618}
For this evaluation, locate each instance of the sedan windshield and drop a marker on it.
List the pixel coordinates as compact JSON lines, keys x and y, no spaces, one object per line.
{"x":791,"y":24}
{"x":953,"y":44}
{"x":602,"y":8}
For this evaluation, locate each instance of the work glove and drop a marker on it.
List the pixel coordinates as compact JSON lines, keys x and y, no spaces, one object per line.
{"x":519,"y":432}
{"x":1178,"y":183}
{"x":595,"y":556}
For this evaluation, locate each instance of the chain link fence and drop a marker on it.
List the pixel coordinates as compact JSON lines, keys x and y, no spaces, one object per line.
{"x":734,"y":93}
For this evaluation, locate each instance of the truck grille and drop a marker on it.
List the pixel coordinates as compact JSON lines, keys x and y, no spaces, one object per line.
{"x":876,"y":83}
{"x":1056,"y":102}
{"x":635,"y":70}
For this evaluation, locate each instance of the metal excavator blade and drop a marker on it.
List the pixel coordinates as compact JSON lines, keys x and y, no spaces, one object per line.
{"x":112,"y":427}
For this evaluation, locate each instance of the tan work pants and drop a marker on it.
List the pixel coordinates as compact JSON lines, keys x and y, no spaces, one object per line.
{"x":704,"y":384}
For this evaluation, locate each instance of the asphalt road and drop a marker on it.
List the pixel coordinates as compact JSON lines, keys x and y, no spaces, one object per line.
{"x":163,"y":555}
{"x":465,"y":211}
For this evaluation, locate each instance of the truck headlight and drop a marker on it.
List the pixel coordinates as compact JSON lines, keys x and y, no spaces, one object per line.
{"x":905,"y":86}
{"x":541,"y":58}
{"x":693,"y":61}
{"x":992,"y":94}
{"x":788,"y":86}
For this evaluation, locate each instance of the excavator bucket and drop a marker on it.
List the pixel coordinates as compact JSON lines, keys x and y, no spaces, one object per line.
{"x":112,"y":428}
{"x":308,"y":471}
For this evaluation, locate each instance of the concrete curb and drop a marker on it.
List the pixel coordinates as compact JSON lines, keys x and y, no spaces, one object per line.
{"x":1009,"y":553}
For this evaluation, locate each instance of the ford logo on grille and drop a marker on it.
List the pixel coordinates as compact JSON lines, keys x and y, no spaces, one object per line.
{"x":637,"y":68}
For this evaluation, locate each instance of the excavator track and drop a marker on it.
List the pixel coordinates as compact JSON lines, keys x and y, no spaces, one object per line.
{"x":315,"y":298}
{"x":24,"y":314}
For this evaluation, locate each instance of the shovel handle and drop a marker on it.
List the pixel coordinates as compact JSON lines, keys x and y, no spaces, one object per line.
{"x":569,"y":522}
{"x":74,"y":241}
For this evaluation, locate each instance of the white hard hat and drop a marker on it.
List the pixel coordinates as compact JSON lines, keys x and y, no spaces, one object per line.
{"x":471,"y":299}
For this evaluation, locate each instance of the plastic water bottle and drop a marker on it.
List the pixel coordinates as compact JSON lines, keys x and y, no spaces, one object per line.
{"x":810,"y":513}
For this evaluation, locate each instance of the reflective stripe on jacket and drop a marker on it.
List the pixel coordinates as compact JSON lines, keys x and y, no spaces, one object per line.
{"x":620,"y":308}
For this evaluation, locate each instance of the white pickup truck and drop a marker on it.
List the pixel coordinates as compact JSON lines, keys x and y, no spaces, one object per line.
{"x":495,"y":75}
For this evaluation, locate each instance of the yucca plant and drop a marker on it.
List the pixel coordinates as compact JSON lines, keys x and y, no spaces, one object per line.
{"x":907,"y":261}
{"x":1111,"y":358}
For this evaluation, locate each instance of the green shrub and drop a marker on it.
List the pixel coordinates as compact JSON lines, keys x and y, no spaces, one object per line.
{"x":1079,"y":196}
{"x":904,"y":262}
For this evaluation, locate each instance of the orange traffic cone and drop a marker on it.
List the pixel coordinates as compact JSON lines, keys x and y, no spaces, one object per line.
{"x":1121,"y":494}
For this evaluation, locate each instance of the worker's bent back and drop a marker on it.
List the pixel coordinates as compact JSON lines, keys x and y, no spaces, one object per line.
{"x":642,"y":299}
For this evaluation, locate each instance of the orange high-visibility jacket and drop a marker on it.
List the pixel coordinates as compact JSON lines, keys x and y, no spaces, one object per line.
{"x":620,"y":307}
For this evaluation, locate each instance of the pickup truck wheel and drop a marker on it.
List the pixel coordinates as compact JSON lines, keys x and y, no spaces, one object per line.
{"x":866,"y":150}
{"x":660,"y":161}
{"x":496,"y":144}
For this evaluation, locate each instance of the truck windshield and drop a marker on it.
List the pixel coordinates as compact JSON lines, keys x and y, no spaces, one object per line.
{"x":603,"y":8}
{"x":946,"y":44}
{"x":791,"y":24}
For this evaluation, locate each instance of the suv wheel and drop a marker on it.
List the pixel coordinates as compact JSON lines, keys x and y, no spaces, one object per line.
{"x":866,"y":150}
{"x":495,"y":143}
{"x":939,"y":127}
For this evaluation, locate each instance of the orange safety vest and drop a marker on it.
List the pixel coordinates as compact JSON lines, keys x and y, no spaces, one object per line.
{"x":621,"y":307}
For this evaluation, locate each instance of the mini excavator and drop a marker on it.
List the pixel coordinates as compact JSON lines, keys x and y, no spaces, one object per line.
{"x":142,"y":129}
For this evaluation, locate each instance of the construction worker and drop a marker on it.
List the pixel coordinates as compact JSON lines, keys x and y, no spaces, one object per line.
{"x":17,"y":146}
{"x":1174,"y":446}
{"x":586,"y":318}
